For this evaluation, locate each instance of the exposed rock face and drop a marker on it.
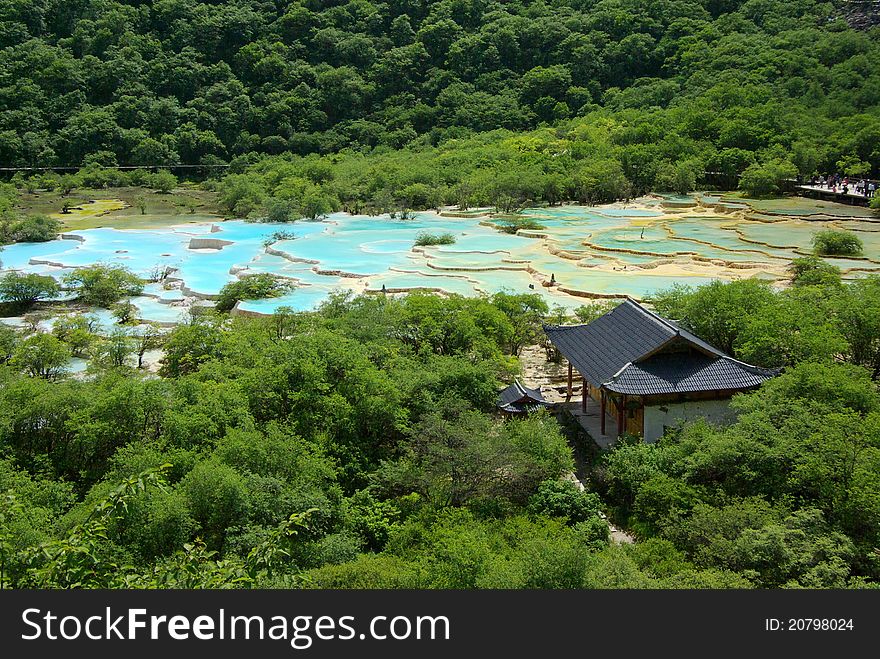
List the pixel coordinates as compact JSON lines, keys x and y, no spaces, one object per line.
{"x":208,"y":243}
{"x":861,"y":14}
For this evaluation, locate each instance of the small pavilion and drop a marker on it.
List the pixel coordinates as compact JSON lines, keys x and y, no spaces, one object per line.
{"x":646,"y":373}
{"x":519,"y":399}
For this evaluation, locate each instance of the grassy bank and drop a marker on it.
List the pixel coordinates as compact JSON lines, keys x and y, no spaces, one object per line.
{"x":123,"y":208}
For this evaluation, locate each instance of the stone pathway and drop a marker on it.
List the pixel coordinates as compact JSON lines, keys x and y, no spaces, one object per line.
{"x":552,"y":380}
{"x":618,"y":536}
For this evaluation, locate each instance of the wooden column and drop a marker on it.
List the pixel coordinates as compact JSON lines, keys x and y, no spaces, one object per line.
{"x":584,"y":395}
{"x":621,"y":405}
{"x":568,"y":397}
{"x":602,"y":411}
{"x":642,"y":401}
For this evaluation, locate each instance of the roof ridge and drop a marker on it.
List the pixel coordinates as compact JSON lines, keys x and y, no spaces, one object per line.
{"x":751,"y":367}
{"x":551,"y":326}
{"x":618,"y":374}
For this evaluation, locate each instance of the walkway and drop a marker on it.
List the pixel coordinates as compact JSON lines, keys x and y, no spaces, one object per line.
{"x":823,"y":191}
{"x":618,"y":536}
{"x":591,"y":422}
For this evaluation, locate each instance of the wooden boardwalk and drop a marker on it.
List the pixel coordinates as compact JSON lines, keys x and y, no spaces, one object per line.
{"x":819,"y":192}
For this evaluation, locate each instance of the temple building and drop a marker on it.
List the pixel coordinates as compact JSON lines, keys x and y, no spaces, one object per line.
{"x":644,"y":373}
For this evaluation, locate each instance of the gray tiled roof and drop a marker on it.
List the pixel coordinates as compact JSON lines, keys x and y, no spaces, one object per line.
{"x":677,"y":373}
{"x":630,"y":335}
{"x":518,"y":394}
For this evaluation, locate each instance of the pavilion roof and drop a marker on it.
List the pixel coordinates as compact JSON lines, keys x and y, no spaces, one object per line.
{"x":519,"y":398}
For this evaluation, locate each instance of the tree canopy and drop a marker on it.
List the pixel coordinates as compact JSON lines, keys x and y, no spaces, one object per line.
{"x":356,"y":447}
{"x":763,"y":88}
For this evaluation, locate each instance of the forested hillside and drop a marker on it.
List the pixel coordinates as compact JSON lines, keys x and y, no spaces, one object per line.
{"x":716,"y":84}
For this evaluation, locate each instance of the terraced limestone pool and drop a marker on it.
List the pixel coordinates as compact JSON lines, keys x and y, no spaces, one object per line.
{"x":606,"y":251}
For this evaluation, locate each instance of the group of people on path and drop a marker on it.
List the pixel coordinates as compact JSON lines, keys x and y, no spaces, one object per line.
{"x":845,"y":185}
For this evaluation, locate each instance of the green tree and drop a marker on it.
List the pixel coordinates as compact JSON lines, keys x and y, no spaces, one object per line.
{"x":766,"y":179}
{"x":680,"y":177}
{"x":600,"y":181}
{"x":857,"y":309}
{"x":718,"y":312}
{"x":218,"y":499}
{"x":103,"y":285}
{"x":457,"y":456}
{"x":188,"y":346}
{"x":125,"y":312}
{"x":316,"y":204}
{"x":24,"y":290}
{"x":163,"y":181}
{"x":145,"y":338}
{"x":77,"y":331}
{"x":798,"y":327}
{"x":525,"y":312}
{"x":113,"y":350}
{"x":833,"y":242}
{"x":35,"y":229}
{"x":562,"y":498}
{"x":41,"y":355}
{"x":8,"y":341}
{"x":251,"y":287}
{"x":813,"y":271}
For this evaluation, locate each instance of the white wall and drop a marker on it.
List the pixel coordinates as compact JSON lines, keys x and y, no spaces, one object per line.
{"x":670,"y":414}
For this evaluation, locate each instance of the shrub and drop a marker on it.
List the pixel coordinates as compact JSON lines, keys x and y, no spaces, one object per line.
{"x":26,"y":289}
{"x":251,"y":287}
{"x":558,"y":498}
{"x":426,"y":239}
{"x":367,"y":571}
{"x":34,"y":229}
{"x":41,"y":355}
{"x":833,"y":242}
{"x":104,"y":285}
{"x":514,"y":225}
{"x":278,"y":236}
{"x":813,"y":271}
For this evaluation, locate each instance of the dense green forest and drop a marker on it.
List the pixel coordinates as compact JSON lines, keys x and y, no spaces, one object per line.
{"x":358,"y":446}
{"x":695,"y":85}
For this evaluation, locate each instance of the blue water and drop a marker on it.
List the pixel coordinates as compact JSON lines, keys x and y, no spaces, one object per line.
{"x":380,"y":251}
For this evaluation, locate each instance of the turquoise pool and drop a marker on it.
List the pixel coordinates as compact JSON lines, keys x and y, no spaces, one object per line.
{"x":595,"y":251}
